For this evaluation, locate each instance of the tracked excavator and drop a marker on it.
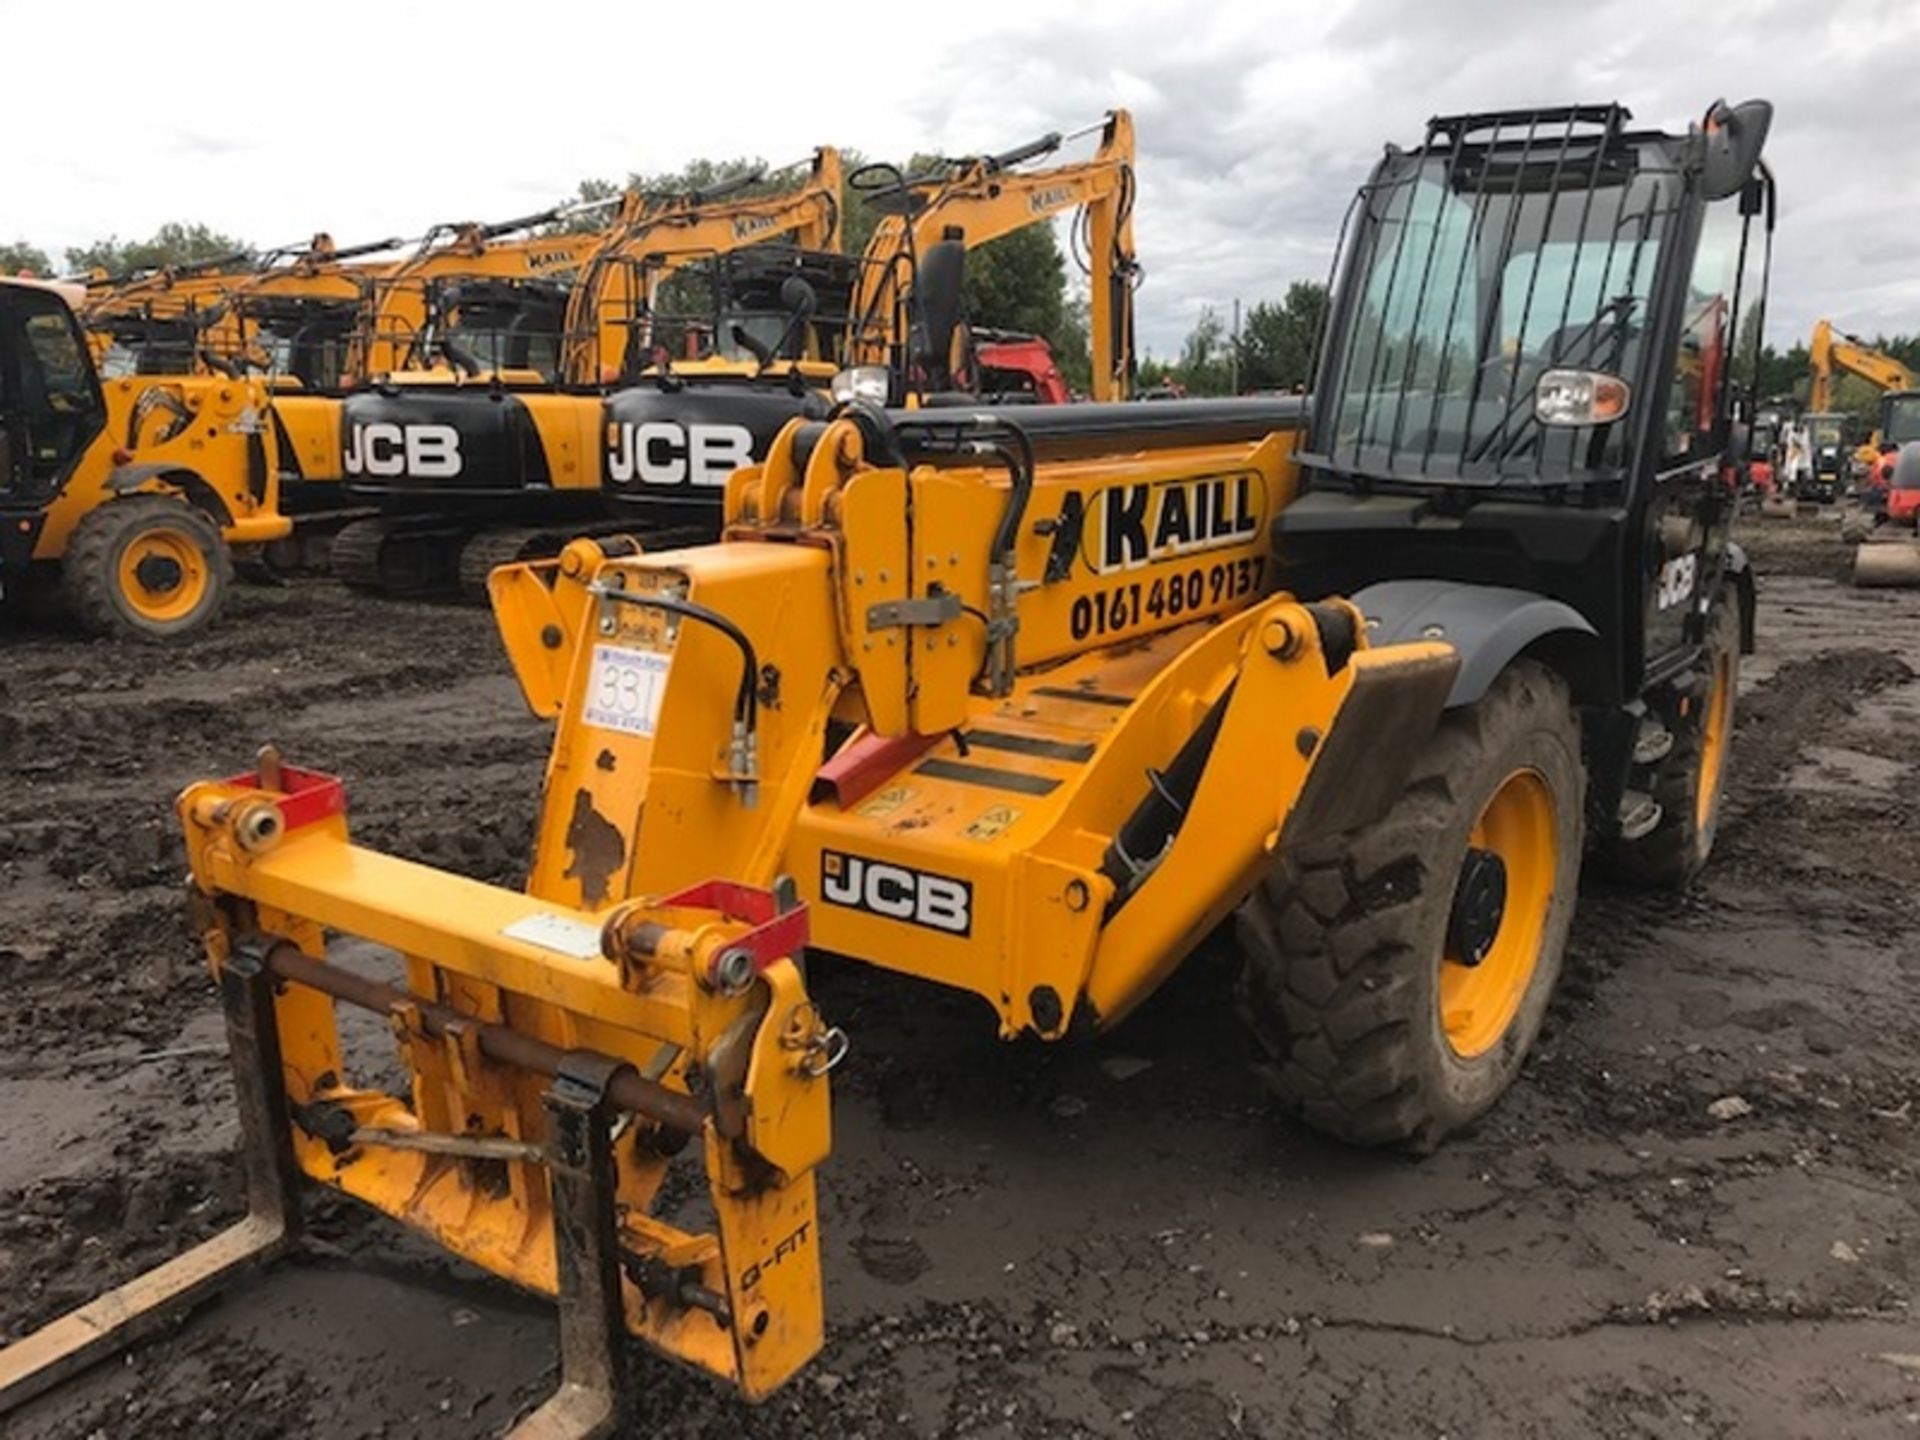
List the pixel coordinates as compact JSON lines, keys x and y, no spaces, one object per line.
{"x":935,"y":217}
{"x":1832,"y":354}
{"x":183,"y":320}
{"x":480,"y":287}
{"x":317,"y":335}
{"x":1025,"y":702}
{"x":781,"y":332}
{"x":1882,"y":520}
{"x":294,"y":325}
{"x":475,"y":463}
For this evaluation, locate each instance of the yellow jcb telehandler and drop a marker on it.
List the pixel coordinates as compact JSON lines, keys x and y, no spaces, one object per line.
{"x":1025,"y":702}
{"x":129,"y":494}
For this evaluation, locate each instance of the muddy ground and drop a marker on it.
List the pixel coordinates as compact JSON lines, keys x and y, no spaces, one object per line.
{"x":1118,"y":1239}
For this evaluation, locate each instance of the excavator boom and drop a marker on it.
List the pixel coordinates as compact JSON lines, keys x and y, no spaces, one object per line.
{"x":1833,"y":353}
{"x":985,"y":199}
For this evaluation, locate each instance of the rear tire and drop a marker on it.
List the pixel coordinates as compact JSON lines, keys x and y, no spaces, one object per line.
{"x":149,"y":567}
{"x":1692,"y":778}
{"x":1373,"y":1030}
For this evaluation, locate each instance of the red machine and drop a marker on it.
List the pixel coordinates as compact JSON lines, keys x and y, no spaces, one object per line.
{"x":1014,"y":366}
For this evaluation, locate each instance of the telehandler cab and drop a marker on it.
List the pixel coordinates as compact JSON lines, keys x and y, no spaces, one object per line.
{"x":1106,"y":689}
{"x":128,"y":494}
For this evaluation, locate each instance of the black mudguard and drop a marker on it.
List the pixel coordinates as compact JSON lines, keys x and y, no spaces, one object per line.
{"x":1488,"y":625}
{"x":126,"y":479}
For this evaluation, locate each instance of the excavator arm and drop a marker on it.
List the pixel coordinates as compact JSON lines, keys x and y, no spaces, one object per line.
{"x":208,"y":303}
{"x":1837,"y":353}
{"x":396,"y":315}
{"x":985,"y":199}
{"x":680,"y":229}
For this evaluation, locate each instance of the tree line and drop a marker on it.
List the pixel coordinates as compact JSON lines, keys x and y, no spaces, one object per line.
{"x":1018,"y":282}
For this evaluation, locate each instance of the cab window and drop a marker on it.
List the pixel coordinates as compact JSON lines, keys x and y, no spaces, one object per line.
{"x":59,"y":405}
{"x":1709,"y":327}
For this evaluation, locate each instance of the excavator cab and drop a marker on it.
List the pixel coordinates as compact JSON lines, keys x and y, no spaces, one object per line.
{"x":301,"y":339}
{"x":1827,"y":440}
{"x":489,"y":325}
{"x":1899,"y":419}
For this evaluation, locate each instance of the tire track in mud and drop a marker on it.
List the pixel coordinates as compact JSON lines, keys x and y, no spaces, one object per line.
{"x":1018,"y":1240}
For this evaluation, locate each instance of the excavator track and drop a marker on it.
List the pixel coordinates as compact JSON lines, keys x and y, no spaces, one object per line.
{"x":407,"y":557}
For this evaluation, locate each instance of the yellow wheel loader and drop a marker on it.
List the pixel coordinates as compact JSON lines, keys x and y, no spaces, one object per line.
{"x":287,"y":317}
{"x":130,"y":494}
{"x":1027,"y":702}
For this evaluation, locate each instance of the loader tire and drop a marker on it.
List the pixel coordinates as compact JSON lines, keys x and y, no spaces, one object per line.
{"x":148,"y":567}
{"x":1371,"y":1027}
{"x":1693,"y":776}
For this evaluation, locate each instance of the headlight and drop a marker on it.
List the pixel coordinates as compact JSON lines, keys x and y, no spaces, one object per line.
{"x":862,"y":382}
{"x":1580,"y":397}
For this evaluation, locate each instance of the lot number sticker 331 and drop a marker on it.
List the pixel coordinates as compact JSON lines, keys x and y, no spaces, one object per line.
{"x":625,"y":688}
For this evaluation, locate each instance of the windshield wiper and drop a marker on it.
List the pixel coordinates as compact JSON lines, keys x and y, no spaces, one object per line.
{"x":1576,"y":352}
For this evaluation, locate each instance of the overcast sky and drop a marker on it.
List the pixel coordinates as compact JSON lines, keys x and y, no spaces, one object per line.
{"x":1255,"y":121}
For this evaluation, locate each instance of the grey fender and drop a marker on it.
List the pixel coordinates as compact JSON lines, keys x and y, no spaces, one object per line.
{"x":1487,"y":625}
{"x":129,"y":479}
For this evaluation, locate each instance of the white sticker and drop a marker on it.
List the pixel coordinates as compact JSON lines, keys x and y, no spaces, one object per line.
{"x":625,"y":689}
{"x":558,"y":934}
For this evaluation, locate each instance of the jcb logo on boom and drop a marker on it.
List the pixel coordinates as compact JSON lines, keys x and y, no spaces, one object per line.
{"x":1137,"y":525}
{"x":426,"y":452}
{"x":664,"y":452}
{"x":897,"y":892}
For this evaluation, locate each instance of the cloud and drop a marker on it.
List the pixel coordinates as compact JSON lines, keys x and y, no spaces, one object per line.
{"x":1256,"y":121}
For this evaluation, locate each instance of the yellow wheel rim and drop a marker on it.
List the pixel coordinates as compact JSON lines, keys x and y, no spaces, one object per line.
{"x":1478,"y":1002}
{"x":1713,"y":741}
{"x":163,"y":575}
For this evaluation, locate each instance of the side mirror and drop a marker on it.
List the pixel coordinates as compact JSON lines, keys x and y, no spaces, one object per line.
{"x":1733,"y":138}
{"x":801,"y":302}
{"x":936,"y":298}
{"x":797,"y":295}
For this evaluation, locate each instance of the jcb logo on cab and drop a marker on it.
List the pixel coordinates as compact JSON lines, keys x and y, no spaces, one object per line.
{"x":427,"y":452}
